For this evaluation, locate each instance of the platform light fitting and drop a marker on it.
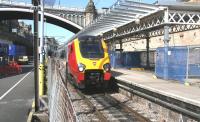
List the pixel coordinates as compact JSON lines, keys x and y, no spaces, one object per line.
{"x":137,"y":21}
{"x":114,"y":29}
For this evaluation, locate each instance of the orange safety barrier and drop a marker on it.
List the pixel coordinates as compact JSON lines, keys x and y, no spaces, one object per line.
{"x":14,"y":68}
{"x":10,"y":69}
{"x":4,"y":70}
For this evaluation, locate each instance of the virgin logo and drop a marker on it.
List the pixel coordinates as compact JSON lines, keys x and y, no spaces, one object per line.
{"x":94,"y":63}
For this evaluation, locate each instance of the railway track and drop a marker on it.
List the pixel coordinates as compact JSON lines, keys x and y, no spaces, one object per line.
{"x":107,"y":108}
{"x":94,"y":109}
{"x":126,"y":109}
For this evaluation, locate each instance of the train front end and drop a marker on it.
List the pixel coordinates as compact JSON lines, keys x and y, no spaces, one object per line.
{"x":93,"y":62}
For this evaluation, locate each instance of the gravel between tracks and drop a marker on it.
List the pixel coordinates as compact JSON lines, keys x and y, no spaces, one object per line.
{"x":137,"y":106}
{"x":110,"y":110}
{"x":84,"y":113}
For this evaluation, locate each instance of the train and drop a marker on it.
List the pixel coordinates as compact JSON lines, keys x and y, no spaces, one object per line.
{"x":87,"y":62}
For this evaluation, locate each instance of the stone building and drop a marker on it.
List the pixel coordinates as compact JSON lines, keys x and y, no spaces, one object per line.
{"x":13,"y":26}
{"x":90,"y":12}
{"x":24,"y":29}
{"x":15,"y":32}
{"x":187,"y":38}
{"x":9,"y":25}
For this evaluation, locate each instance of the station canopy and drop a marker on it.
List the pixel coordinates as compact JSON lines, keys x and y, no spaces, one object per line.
{"x":129,"y":18}
{"x":119,"y":14}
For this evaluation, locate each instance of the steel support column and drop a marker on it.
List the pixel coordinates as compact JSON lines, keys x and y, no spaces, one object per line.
{"x":35,"y":52}
{"x":120,"y":46}
{"x":166,"y":46}
{"x":113,"y":45}
{"x":147,"y":49}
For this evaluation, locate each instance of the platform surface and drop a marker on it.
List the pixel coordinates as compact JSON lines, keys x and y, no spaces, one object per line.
{"x":173,"y":89}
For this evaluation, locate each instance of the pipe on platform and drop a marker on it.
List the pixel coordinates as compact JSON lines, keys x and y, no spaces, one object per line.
{"x":166,"y":48}
{"x":147,"y":49}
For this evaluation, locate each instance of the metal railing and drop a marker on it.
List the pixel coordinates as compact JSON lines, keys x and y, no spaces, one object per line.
{"x":60,"y":105}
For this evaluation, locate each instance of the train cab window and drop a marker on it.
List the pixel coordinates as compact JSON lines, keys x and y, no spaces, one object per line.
{"x":91,"y":48}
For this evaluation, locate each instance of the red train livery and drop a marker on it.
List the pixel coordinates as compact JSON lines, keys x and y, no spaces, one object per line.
{"x":88,"y":62}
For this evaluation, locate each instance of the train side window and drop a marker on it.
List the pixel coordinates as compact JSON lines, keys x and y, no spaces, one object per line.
{"x":71,"y":49}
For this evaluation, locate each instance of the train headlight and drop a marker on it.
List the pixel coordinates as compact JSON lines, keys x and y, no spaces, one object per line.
{"x":107,"y":67}
{"x":81,"y":67}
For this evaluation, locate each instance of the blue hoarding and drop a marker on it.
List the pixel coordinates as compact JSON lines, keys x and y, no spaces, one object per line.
{"x":125,"y":59}
{"x":180,"y":63}
{"x":17,"y":50}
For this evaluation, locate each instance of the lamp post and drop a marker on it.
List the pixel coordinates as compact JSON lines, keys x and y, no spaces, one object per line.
{"x":114,"y":47}
{"x":41,"y":31}
{"x":114,"y":34}
{"x":41,"y":67}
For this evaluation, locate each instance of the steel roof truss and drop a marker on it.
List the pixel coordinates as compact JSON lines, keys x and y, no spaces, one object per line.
{"x":127,"y":13}
{"x":121,"y":15}
{"x":132,"y":10}
{"x":119,"y":18}
{"x":137,"y":7}
{"x":143,"y":5}
{"x":111,"y":20}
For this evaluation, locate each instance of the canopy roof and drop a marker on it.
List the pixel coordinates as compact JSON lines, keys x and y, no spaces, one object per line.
{"x":130,"y":19}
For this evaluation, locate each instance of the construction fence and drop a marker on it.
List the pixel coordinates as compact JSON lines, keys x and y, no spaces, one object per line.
{"x":183,"y":63}
{"x":131,"y":59}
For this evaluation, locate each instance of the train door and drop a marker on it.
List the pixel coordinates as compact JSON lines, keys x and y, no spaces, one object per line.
{"x":72,"y":59}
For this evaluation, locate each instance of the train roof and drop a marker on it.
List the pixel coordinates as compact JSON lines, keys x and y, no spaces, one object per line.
{"x":86,"y":37}
{"x":81,"y":37}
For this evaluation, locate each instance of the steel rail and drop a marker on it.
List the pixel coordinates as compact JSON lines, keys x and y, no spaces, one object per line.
{"x":127,"y":109}
{"x":100,"y":115}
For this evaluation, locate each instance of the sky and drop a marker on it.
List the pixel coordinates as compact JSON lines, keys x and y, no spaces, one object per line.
{"x":62,"y":34}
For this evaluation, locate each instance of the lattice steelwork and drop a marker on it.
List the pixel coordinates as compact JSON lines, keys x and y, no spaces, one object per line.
{"x":155,"y":32}
{"x":184,"y":17}
{"x":146,"y":24}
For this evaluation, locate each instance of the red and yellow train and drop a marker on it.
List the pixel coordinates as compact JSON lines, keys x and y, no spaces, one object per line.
{"x":88,"y":62}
